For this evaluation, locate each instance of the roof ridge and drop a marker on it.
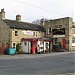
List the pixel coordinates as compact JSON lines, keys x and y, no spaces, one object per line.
{"x":21,"y":21}
{"x":23,"y":25}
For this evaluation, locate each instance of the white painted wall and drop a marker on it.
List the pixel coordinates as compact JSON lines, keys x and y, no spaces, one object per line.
{"x":73,"y":44}
{"x":26,"y":47}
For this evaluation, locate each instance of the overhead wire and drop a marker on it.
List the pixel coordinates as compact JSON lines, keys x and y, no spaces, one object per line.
{"x":50,"y":11}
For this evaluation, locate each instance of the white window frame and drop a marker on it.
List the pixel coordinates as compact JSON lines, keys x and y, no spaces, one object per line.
{"x":35,"y":34}
{"x":73,"y":41}
{"x":49,"y":30}
{"x":14,"y":46}
{"x":16,"y":34}
{"x":73,"y":31}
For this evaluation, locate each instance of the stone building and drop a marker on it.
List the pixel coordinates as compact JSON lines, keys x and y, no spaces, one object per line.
{"x":61,"y":31}
{"x":12,"y":31}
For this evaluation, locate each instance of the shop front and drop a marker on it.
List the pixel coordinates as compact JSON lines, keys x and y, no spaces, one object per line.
{"x":36,"y":45}
{"x":59,"y":39}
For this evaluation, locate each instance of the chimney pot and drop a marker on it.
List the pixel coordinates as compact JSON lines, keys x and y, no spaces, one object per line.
{"x":18,"y":17}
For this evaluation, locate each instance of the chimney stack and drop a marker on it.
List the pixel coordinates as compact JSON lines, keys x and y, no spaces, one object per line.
{"x":2,"y":14}
{"x":42,"y":22}
{"x":18,"y":17}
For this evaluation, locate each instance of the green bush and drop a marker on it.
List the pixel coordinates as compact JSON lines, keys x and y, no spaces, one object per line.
{"x":18,"y":47}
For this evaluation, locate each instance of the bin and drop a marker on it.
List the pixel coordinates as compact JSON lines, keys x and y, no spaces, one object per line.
{"x":11,"y":51}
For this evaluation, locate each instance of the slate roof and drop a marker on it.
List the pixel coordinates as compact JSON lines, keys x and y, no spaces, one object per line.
{"x":23,"y":25}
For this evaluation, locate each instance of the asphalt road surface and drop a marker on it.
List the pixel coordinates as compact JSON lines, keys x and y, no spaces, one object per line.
{"x":38,"y":64}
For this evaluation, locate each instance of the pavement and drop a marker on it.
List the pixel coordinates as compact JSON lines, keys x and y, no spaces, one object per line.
{"x":21,"y":56}
{"x":67,"y":74}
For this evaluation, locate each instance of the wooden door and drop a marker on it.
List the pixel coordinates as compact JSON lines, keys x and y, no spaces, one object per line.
{"x":63,"y":43}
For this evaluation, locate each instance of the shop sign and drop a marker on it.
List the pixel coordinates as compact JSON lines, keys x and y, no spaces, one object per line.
{"x":27,"y":32}
{"x":58,"y":36}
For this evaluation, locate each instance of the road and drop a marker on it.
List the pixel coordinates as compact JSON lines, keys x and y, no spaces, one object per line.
{"x":38,"y":64}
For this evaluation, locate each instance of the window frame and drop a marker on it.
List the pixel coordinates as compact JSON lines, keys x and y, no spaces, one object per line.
{"x":16,"y":33}
{"x":49,"y":30}
{"x":73,"y":41}
{"x":14,"y":46}
{"x":35,"y":34}
{"x":73,"y":31}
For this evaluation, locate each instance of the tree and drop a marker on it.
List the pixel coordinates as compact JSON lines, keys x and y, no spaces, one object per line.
{"x":36,"y":22}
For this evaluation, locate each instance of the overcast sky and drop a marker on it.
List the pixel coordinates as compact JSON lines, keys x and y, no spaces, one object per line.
{"x":31,"y":10}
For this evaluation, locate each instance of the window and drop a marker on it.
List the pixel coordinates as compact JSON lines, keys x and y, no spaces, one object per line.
{"x":14,"y":45}
{"x":73,"y":40}
{"x":35,"y":34}
{"x":49,"y":30}
{"x":55,"y":41}
{"x":73,"y":30}
{"x":47,"y":45}
{"x":16,"y":33}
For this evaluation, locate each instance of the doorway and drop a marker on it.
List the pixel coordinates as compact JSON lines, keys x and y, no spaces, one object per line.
{"x":63,"y":43}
